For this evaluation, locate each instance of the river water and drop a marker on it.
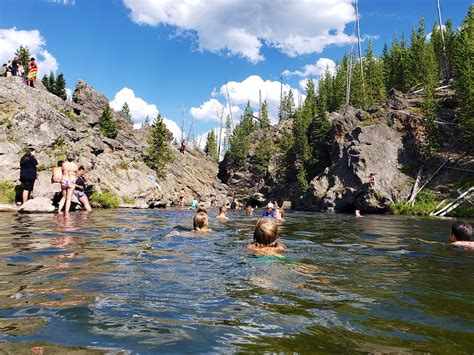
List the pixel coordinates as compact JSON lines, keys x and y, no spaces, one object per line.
{"x":140,"y":281}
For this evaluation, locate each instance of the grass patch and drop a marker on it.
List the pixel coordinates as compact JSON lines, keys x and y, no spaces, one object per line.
{"x":424,"y":205}
{"x":7,"y":192}
{"x":43,"y":167}
{"x":465,"y":210}
{"x":122,"y":166}
{"x":371,"y":120}
{"x":69,"y":114}
{"x":106,"y":200}
{"x":128,"y":201}
{"x":416,"y":111}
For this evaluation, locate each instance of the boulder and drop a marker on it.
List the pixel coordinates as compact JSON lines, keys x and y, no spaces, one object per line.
{"x":37,"y":205}
{"x":396,"y":100}
{"x":8,"y":208}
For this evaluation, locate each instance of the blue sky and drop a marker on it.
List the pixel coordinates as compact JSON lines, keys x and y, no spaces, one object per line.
{"x":169,"y":55}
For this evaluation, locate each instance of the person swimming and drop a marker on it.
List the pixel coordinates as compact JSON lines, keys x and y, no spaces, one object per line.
{"x":201,"y":222}
{"x":461,"y":233}
{"x":249,"y":210}
{"x":265,"y":238}
{"x":222,"y":213}
{"x":270,"y":211}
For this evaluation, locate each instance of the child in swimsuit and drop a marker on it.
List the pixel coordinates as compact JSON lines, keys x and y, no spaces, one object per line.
{"x":57,"y":173}
{"x":68,"y":180}
{"x":222,"y":213}
{"x":201,"y":222}
{"x":265,"y":238}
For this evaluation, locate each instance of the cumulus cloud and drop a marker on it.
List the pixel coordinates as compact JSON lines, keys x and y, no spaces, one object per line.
{"x":314,"y":70}
{"x":11,"y":39}
{"x":140,"y":110}
{"x":241,"y":92}
{"x":212,"y":109}
{"x":242,"y":28}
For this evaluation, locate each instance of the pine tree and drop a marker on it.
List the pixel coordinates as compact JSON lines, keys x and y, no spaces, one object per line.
{"x":158,"y":153}
{"x":416,"y":51}
{"x":24,"y":56}
{"x":211,"y":146}
{"x":45,"y":82}
{"x":464,"y":72}
{"x":146,"y":122}
{"x":340,"y":84}
{"x":430,"y":105}
{"x":263,"y":153}
{"x":107,"y":123}
{"x":264,"y":120}
{"x":126,"y":113}
{"x":60,"y":87}
{"x":228,"y":133}
{"x":358,"y":95}
{"x":51,"y":83}
{"x":373,"y":69}
{"x":240,"y":141}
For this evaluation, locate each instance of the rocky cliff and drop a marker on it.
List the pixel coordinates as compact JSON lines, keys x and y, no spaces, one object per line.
{"x":34,"y":117}
{"x":384,"y":141}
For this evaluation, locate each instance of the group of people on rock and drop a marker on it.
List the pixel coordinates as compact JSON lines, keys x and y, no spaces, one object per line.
{"x":72,"y":179}
{"x":14,"y":68}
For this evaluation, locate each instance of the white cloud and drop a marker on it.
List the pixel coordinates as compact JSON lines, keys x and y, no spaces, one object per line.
{"x":314,"y":70}
{"x":11,"y":39}
{"x":302,"y":83}
{"x":212,"y":109}
{"x":63,"y":2}
{"x":242,"y":28}
{"x":69,"y":94}
{"x":240,"y":93}
{"x":140,"y":110}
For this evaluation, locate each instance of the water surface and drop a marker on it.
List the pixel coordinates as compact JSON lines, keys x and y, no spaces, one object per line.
{"x":140,"y":281}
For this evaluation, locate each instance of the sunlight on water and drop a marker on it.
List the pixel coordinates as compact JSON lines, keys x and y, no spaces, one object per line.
{"x":141,"y":281}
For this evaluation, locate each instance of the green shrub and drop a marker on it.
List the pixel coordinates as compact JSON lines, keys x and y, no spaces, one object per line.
{"x":7,"y":192}
{"x":128,"y":201}
{"x":106,"y":200}
{"x":424,"y":205}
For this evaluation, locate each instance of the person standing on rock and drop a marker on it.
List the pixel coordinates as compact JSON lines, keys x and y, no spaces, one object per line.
{"x":372,"y":181}
{"x":181,"y":195}
{"x":15,"y":64}
{"x":32,"y":72}
{"x":28,"y":164}
{"x":68,"y":181}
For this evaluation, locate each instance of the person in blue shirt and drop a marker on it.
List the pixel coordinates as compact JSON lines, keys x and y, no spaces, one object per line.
{"x":194,"y":204}
{"x":28,"y":164}
{"x":270,"y":212}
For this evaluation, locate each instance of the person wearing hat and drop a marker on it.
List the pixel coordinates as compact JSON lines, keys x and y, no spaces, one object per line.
{"x":270,"y":212}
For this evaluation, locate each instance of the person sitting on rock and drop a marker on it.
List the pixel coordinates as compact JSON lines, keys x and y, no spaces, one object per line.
{"x":222,"y":213}
{"x":270,"y":212}
{"x":57,"y":173}
{"x":201,"y":223}
{"x":68,"y":181}
{"x":265,"y":238}
{"x":461,"y":233}
{"x":80,"y":188}
{"x":372,"y":181}
{"x":28,"y":174}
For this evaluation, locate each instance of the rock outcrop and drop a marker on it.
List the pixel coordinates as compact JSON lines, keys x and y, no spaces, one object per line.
{"x":363,"y":144}
{"x":37,"y":205}
{"x":34,"y":117}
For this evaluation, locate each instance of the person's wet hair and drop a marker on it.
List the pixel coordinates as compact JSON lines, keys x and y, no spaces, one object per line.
{"x":60,"y":163}
{"x":222,"y":209}
{"x":200,"y":221}
{"x":461,"y":230}
{"x":201,"y":208}
{"x":266,"y":232}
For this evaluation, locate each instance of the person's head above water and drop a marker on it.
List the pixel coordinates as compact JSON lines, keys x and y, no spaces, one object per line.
{"x":460,"y":231}
{"x":200,"y":221}
{"x":266,"y":232}
{"x":70,"y":157}
{"x":222,"y":210}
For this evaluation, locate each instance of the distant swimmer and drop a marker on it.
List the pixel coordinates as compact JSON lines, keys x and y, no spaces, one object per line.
{"x":270,"y":211}
{"x":461,"y":233}
{"x":265,"y":238}
{"x":201,"y":222}
{"x":222,"y":216}
{"x":357,"y":213}
{"x":249,"y":211}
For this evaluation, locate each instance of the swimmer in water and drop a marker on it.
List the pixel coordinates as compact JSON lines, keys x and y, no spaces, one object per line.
{"x":461,"y":233}
{"x":265,"y":238}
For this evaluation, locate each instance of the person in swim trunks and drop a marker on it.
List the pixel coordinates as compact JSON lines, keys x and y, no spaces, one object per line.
{"x":79,"y":191}
{"x":68,"y":181}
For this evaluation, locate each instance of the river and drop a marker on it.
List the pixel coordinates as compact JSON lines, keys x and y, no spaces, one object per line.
{"x":140,"y":281}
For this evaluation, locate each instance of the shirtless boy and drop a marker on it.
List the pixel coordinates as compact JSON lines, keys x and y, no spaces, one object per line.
{"x":265,"y":238}
{"x":461,"y":233}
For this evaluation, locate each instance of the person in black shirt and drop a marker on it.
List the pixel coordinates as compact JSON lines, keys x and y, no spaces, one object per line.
{"x":15,"y":65}
{"x":80,"y":189}
{"x":28,"y":165}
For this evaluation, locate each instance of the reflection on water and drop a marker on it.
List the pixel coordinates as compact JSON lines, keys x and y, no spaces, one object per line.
{"x":140,"y":281}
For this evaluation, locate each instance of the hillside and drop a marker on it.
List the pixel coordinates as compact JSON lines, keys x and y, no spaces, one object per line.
{"x":386,"y":140}
{"x":34,"y":117}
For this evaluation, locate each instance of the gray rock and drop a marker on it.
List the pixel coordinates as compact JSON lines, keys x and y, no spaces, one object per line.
{"x":397,"y":101}
{"x":37,"y":205}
